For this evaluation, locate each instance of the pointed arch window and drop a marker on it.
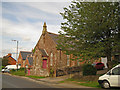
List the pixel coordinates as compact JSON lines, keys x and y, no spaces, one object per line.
{"x":68,"y":60}
{"x":51,"y":59}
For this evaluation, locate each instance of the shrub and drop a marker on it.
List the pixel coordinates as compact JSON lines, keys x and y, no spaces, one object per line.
{"x":12,"y":70}
{"x":51,"y":72}
{"x":88,"y":69}
{"x":22,"y":69}
{"x":3,"y":67}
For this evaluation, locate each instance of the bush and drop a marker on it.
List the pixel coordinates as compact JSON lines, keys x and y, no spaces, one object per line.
{"x":3,"y":67}
{"x":88,"y":69}
{"x":12,"y":70}
{"x":22,"y":69}
{"x":51,"y":72}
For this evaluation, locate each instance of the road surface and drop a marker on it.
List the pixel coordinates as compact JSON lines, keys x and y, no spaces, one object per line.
{"x":16,"y":82}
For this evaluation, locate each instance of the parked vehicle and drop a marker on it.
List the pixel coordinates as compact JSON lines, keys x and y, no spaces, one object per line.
{"x":98,"y":65}
{"x":5,"y":70}
{"x":111,"y":78}
{"x":10,"y":67}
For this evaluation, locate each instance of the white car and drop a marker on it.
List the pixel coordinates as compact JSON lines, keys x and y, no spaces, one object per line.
{"x":111,"y":78}
{"x":5,"y":70}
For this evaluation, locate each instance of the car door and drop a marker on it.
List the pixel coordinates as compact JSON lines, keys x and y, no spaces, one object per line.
{"x":115,"y":77}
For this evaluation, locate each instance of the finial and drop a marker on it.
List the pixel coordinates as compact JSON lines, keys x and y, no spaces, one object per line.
{"x":44,"y":28}
{"x":44,"y":24}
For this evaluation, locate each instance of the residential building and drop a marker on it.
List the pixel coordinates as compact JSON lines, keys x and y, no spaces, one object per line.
{"x":29,"y":61}
{"x":22,"y":57}
{"x":11,"y":60}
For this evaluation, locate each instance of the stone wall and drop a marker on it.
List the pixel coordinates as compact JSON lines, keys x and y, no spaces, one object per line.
{"x":59,"y":58}
{"x":68,"y":70}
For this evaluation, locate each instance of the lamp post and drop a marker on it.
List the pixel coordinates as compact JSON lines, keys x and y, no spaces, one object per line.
{"x":16,"y":52}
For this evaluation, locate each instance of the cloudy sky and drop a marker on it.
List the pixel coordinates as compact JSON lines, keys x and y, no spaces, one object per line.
{"x":23,"y":21}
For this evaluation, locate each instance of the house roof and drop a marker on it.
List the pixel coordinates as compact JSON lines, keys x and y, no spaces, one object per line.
{"x":7,"y":56}
{"x":44,"y":54}
{"x":30,"y":59}
{"x":54,"y":37}
{"x":24,"y":54}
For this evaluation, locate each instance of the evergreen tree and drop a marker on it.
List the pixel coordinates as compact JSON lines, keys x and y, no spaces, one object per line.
{"x":91,"y":29}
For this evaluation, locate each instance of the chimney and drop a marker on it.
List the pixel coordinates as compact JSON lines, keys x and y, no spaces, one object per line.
{"x":44,"y":28}
{"x":9,"y":54}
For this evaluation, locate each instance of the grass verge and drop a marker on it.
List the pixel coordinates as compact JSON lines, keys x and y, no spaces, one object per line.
{"x":19,"y":72}
{"x":37,"y":77}
{"x":83,"y":83}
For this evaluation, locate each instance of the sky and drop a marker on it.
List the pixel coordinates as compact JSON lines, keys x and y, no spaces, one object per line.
{"x":23,"y":21}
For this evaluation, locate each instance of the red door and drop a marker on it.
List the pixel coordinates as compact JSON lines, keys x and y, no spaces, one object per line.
{"x":44,"y":63}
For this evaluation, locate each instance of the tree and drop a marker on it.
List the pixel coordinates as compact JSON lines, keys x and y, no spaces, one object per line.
{"x":90,"y":30}
{"x":5,"y":61}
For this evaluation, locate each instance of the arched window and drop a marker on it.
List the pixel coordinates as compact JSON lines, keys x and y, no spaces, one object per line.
{"x":78,"y":61}
{"x":68,"y":60}
{"x":51,"y":59}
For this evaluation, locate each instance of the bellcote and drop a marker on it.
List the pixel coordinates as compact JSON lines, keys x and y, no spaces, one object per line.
{"x":44,"y":28}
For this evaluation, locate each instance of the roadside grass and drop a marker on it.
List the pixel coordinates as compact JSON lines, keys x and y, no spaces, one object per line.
{"x":37,"y":77}
{"x":19,"y":73}
{"x":61,"y":81}
{"x":90,"y":84}
{"x":83,"y":83}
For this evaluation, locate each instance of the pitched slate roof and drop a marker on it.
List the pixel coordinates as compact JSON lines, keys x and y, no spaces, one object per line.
{"x":24,"y":54}
{"x":54,"y":37}
{"x":44,"y":54}
{"x":30,"y":59}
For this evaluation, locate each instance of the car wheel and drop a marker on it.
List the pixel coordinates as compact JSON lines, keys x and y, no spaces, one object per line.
{"x":105,"y":84}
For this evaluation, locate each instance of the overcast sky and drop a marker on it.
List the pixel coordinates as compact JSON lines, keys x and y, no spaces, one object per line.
{"x":23,"y":21}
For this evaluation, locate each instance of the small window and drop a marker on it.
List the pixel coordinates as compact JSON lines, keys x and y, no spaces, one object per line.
{"x":116,"y":71}
{"x":68,"y":60}
{"x":78,"y":61}
{"x":26,"y":65}
{"x":19,"y":64}
{"x":51,"y":59}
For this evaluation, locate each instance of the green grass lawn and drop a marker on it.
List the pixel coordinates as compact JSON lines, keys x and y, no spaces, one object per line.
{"x":83,"y":83}
{"x":19,"y":73}
{"x":37,"y":77}
{"x":90,"y":84}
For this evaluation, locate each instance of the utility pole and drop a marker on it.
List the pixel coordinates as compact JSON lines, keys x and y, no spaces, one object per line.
{"x":16,"y":52}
